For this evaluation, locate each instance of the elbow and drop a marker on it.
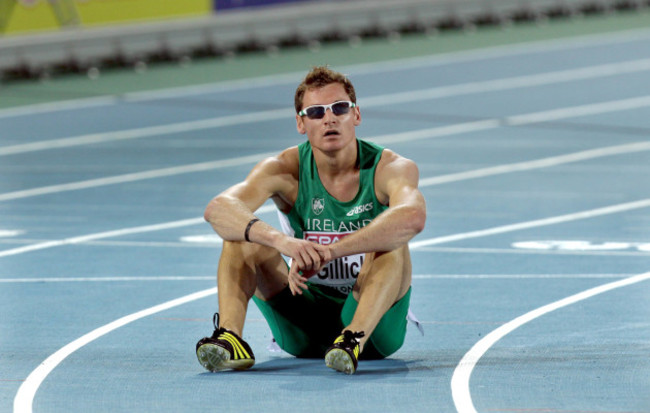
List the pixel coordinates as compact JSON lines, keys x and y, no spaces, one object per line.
{"x":207,"y":214}
{"x":412,"y":220}
{"x":416,"y":217}
{"x":210,"y":213}
{"x":418,"y":220}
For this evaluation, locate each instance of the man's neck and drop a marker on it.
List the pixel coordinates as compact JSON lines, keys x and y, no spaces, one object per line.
{"x":339,"y":162}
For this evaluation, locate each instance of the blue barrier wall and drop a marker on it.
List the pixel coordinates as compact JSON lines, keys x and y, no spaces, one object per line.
{"x":233,"y":4}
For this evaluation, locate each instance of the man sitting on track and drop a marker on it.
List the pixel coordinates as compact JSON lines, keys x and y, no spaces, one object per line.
{"x":348,"y":209}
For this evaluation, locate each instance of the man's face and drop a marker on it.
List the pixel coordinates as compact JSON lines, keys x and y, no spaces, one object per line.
{"x":332,"y":132}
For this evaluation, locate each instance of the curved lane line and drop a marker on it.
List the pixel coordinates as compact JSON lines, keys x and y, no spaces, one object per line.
{"x":25,"y":396}
{"x":460,"y":380}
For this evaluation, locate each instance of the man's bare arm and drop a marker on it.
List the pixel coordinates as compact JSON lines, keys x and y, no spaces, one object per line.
{"x":230,"y":212}
{"x":405,"y":217}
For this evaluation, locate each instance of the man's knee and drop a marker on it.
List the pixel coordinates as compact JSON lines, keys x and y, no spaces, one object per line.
{"x":262,"y":265}
{"x":391,"y":269}
{"x":247,"y":254}
{"x":397,"y":262}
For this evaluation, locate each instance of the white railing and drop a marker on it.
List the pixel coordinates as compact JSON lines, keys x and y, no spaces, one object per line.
{"x":263,"y":26}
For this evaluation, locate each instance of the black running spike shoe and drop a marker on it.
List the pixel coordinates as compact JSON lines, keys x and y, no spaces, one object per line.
{"x":343,"y":355}
{"x":224,"y":350}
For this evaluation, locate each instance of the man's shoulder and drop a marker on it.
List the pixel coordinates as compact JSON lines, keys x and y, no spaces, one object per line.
{"x":390,"y":157}
{"x":290,"y":159}
{"x":289,"y":154}
{"x":393,"y":165}
{"x":284,"y":162}
{"x":278,"y":175}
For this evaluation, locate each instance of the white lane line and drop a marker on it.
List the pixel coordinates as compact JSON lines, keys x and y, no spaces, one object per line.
{"x":604,"y":107}
{"x":6,"y":233}
{"x":425,"y":182}
{"x":464,"y":250}
{"x":58,"y":106}
{"x":518,"y":276}
{"x":402,"y":97}
{"x":136,"y":176}
{"x":159,"y":278}
{"x":100,"y":235}
{"x":436,"y":132}
{"x":516,"y":82}
{"x":493,"y":52}
{"x":539,"y":163}
{"x":542,"y":46}
{"x":460,"y":380}
{"x":582,"y":110}
{"x":401,"y":64}
{"x":25,"y":396}
{"x":185,"y":242}
{"x":215,"y":242}
{"x":158,"y":130}
{"x":116,"y":233}
{"x":414,"y":245}
{"x":155,"y":278}
{"x":612,"y":209}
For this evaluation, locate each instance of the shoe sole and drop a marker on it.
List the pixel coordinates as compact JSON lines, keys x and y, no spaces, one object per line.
{"x":215,"y":358}
{"x":339,"y":360}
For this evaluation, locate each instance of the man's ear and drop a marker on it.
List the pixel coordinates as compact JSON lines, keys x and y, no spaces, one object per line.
{"x":357,"y":116}
{"x":300,"y":125}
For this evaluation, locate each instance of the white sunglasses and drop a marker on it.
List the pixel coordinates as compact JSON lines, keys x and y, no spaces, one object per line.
{"x":318,"y":111}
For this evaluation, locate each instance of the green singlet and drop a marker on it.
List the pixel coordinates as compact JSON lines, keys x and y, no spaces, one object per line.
{"x":319,"y":217}
{"x":306,"y":325}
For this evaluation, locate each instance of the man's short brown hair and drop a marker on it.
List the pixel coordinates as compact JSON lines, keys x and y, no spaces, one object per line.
{"x":321,"y":76}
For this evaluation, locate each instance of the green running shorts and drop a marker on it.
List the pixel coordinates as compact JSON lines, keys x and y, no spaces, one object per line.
{"x":306,"y":325}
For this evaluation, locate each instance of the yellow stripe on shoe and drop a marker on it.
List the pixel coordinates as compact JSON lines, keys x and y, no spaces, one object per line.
{"x":343,"y":355}
{"x":224,"y":350}
{"x":239,"y":350}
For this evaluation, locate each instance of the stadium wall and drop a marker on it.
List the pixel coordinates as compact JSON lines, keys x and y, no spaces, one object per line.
{"x":82,"y":34}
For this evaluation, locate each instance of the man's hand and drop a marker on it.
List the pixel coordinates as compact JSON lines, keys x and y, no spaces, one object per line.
{"x":307,"y":259}
{"x":296,"y":280}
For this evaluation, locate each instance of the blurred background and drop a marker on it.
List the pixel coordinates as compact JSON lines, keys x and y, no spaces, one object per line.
{"x":40,"y":39}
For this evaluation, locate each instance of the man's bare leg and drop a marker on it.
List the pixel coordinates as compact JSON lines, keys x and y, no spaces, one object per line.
{"x":381,"y":283}
{"x":384,"y":279}
{"x":246,"y":269}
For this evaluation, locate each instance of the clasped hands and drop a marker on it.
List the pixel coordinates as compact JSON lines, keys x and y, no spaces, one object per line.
{"x":307,"y":259}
